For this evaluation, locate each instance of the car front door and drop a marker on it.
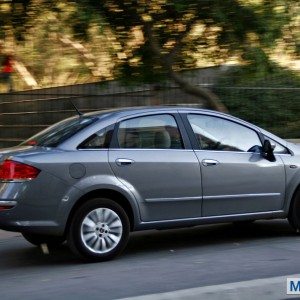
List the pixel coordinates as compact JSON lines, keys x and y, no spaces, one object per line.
{"x":236,"y":178}
{"x":152,"y":157}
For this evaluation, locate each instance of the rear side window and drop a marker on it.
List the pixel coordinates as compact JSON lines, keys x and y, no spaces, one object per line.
{"x":60,"y":132}
{"x":99,"y":140}
{"x":150,"y":132}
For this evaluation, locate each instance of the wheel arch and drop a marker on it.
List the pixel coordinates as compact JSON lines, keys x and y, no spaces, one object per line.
{"x":111,"y":194}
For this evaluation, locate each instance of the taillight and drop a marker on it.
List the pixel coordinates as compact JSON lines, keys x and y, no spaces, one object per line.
{"x":12,"y":170}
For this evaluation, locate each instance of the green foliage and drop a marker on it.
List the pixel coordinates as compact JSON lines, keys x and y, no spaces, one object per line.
{"x":229,"y":27}
{"x":185,"y":31}
{"x":269,"y":98}
{"x":144,"y":72}
{"x":59,"y":42}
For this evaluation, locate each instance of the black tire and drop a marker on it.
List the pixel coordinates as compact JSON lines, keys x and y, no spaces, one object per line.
{"x":294,"y":212}
{"x":84,"y":247}
{"x":38,"y":239}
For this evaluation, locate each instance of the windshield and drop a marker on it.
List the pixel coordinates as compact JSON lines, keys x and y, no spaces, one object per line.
{"x":59,"y":132}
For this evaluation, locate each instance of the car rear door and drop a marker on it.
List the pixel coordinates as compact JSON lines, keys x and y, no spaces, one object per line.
{"x":152,"y":156}
{"x":236,"y":178}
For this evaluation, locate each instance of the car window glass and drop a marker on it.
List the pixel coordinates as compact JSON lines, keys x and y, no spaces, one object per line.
{"x":60,"y":132}
{"x":99,"y":140}
{"x":214,"y":133}
{"x":278,"y":148}
{"x":150,"y":132}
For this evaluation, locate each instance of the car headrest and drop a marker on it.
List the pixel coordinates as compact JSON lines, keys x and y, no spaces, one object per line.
{"x":162,"y":140}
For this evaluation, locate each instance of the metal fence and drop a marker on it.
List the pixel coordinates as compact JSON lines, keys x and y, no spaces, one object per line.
{"x":272,"y":106}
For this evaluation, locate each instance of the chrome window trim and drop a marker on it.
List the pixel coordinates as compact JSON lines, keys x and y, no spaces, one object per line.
{"x":150,"y":149}
{"x":221,"y":151}
{"x":238,"y":152}
{"x":93,"y":149}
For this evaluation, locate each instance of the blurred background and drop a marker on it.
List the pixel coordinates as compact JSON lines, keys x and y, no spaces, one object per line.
{"x":236,"y":56}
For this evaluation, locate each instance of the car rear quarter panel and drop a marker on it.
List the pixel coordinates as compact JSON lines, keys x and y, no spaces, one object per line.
{"x":37,"y":206}
{"x":77,"y":173}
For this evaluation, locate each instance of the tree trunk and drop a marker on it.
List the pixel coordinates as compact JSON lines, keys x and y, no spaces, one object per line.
{"x":167,"y":61}
{"x":210,"y":99}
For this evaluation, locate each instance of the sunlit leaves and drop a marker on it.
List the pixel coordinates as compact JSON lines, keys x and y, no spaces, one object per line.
{"x":115,"y":41}
{"x":212,"y":30}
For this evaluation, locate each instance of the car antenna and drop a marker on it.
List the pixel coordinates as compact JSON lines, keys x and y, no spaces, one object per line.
{"x":77,"y":110}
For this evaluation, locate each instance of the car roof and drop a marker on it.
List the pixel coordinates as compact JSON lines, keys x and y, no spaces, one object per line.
{"x":129,"y":111}
{"x":115,"y":114}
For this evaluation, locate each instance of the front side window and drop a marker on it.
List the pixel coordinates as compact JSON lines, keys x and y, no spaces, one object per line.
{"x":214,"y":133}
{"x":150,"y":132}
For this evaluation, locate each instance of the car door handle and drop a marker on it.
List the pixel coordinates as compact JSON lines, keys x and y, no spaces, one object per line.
{"x":124,"y":161}
{"x":209,"y":162}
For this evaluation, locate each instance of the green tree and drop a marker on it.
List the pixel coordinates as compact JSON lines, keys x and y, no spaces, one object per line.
{"x":144,"y":40}
{"x":171,"y":32}
{"x":53,"y":43}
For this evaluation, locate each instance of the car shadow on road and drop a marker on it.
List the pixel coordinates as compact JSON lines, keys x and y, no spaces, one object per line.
{"x":208,"y":236}
{"x":16,"y":252}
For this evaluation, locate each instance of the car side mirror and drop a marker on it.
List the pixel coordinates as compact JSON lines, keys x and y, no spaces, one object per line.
{"x":268,"y":151}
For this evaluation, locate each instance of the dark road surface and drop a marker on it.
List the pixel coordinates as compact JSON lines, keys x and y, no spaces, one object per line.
{"x":154,"y":262}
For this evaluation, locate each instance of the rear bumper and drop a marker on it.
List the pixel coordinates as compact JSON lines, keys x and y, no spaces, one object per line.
{"x":11,"y":220}
{"x":46,"y":228}
{"x":34,"y":207}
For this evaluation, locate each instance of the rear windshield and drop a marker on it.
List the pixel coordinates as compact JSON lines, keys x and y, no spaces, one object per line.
{"x":59,"y":132}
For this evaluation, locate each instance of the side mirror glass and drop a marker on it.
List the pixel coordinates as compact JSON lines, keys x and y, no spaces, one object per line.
{"x":268,"y":151}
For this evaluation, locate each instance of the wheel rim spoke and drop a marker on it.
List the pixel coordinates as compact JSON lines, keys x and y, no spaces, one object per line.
{"x":91,"y":241}
{"x":89,"y":236}
{"x":104,"y":245}
{"x":104,"y":215}
{"x":97,"y":244}
{"x":99,"y":215}
{"x":108,"y":216}
{"x":113,"y":238}
{"x":89,"y":222}
{"x":101,"y":230}
{"x":115,"y":224}
{"x":116,"y":232}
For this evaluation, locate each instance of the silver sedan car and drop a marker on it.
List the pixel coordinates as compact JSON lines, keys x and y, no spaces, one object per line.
{"x":94,"y":178}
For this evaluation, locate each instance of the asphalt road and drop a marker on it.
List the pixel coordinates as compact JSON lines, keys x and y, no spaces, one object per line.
{"x":154,"y":262}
